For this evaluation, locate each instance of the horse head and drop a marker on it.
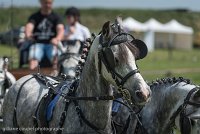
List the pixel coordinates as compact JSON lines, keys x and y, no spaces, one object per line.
{"x":190,"y":119}
{"x":116,"y":62}
{"x":69,"y":57}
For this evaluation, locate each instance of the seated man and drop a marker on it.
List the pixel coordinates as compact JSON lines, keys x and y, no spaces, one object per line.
{"x":46,"y":29}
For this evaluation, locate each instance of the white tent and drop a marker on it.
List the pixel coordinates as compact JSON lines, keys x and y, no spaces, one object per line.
{"x":130,"y":24}
{"x":172,"y":34}
{"x":154,"y":25}
{"x":175,"y":27}
{"x":156,"y":34}
{"x":181,"y":36}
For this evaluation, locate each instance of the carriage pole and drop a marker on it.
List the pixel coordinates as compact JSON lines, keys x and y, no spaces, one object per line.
{"x":11,"y":37}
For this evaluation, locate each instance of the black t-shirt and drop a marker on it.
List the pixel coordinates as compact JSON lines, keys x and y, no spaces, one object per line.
{"x":44,"y":26}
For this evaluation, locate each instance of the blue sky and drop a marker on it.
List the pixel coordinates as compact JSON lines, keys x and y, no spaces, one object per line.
{"x":139,"y":4}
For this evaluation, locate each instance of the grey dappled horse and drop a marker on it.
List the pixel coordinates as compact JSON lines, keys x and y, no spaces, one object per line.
{"x":119,"y":57}
{"x":6,"y":80}
{"x":167,"y":96}
{"x":69,"y":58}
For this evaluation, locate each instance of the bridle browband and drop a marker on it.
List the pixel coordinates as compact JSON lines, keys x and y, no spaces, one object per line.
{"x":181,"y":109}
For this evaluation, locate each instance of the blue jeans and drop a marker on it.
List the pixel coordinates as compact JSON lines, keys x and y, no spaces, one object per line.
{"x":38,"y":51}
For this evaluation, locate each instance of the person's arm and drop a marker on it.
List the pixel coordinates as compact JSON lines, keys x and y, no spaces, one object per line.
{"x":60,"y":34}
{"x":29,"y":31}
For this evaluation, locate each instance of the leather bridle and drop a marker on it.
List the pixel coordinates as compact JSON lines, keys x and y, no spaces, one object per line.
{"x":119,"y":79}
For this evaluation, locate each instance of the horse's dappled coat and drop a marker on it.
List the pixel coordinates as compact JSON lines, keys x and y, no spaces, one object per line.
{"x":91,"y":84}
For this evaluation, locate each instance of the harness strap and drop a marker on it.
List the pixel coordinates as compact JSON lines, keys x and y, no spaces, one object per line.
{"x":141,"y":127}
{"x":133,"y":72}
{"x":138,"y":124}
{"x":99,"y":62}
{"x":63,"y":117}
{"x":15,"y":124}
{"x":126,"y":125}
{"x":186,"y":100}
{"x":190,"y":94}
{"x":97,"y":98}
{"x":35,"y":122}
{"x":71,"y":92}
{"x":81,"y":115}
{"x":193,"y":104}
{"x":183,"y":106}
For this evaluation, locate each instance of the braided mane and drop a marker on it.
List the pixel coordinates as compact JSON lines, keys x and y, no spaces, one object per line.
{"x":84,"y":54}
{"x":173,"y":80}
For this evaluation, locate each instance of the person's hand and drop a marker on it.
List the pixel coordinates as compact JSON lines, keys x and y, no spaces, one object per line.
{"x":72,"y":29}
{"x":55,"y":41}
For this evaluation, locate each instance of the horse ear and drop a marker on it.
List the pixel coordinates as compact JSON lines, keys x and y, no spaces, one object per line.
{"x":118,"y":21}
{"x":142,"y":47}
{"x":106,"y":30}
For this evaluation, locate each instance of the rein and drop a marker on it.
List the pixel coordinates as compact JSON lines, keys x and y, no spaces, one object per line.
{"x":45,"y":81}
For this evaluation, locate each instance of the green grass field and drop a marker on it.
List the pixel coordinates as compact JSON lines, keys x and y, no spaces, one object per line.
{"x":157,"y":64}
{"x":178,"y":63}
{"x":11,"y":52}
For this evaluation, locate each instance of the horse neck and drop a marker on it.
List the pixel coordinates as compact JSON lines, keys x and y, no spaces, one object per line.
{"x":166,"y":98}
{"x":92,"y":84}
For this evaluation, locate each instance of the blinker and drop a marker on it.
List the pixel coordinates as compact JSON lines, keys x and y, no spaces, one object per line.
{"x":109,"y":57}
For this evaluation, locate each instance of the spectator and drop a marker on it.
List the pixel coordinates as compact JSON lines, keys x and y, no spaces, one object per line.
{"x":45,"y":27}
{"x":74,"y":30}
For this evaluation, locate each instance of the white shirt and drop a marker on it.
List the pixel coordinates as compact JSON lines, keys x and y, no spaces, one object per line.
{"x":81,"y":33}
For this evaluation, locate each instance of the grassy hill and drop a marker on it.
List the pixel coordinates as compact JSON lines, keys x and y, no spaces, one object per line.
{"x":94,"y":18}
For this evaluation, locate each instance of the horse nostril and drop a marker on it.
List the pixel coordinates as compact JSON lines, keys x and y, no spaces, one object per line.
{"x":140,"y":95}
